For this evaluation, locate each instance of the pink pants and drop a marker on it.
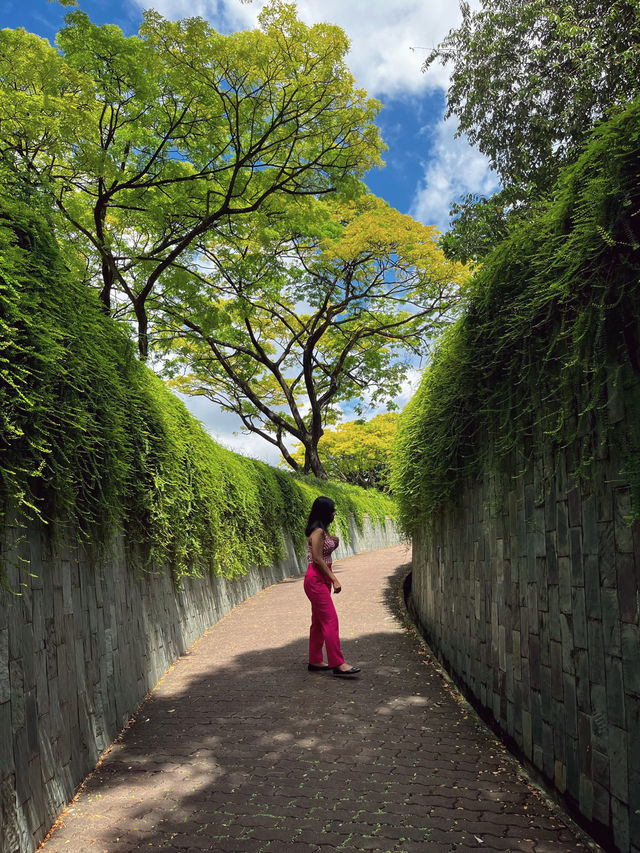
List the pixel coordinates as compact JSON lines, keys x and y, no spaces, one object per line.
{"x":324,"y":619}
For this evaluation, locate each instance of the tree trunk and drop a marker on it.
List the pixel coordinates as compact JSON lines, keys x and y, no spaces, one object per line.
{"x":107,"y":286}
{"x":105,"y":300}
{"x":143,"y":329}
{"x":312,"y":462}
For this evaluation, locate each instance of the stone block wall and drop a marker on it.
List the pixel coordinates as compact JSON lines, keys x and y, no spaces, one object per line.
{"x":79,"y":650}
{"x":528,"y":589}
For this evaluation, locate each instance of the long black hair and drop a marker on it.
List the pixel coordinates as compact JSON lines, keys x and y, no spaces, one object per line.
{"x":321,"y":515}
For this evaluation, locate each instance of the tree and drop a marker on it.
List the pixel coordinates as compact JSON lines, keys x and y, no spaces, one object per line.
{"x":478,"y":224}
{"x":149,"y":143}
{"x":358,"y":452}
{"x":287,"y":326}
{"x":530,"y":80}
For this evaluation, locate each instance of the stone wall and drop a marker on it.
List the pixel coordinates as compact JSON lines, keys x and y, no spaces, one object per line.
{"x":79,"y":650}
{"x":528,"y":590}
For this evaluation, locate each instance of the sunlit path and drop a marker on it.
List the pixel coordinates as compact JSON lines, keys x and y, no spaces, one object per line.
{"x":241,"y":749}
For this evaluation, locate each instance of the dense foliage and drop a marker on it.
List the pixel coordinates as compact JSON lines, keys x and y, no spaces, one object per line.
{"x":90,"y":437}
{"x":550,"y":331}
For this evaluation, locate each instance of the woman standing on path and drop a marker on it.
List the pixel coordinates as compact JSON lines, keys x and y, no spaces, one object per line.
{"x":317,"y":585}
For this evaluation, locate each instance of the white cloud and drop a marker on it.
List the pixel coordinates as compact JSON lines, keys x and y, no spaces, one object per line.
{"x":389,"y":41}
{"x":226,"y":429}
{"x":407,"y":389}
{"x":455,"y":168}
{"x":224,"y":15}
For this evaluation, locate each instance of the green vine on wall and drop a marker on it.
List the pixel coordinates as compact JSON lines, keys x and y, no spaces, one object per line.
{"x":550,"y":337}
{"x":91,"y":438}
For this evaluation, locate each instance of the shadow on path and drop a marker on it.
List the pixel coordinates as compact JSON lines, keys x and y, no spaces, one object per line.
{"x":241,"y":749}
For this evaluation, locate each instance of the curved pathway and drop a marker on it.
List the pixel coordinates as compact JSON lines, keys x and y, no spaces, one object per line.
{"x":239,"y":748}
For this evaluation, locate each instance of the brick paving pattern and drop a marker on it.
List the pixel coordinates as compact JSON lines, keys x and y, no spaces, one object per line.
{"x":240,"y":749}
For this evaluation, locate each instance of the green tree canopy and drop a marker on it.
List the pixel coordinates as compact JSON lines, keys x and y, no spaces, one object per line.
{"x":148,"y":143}
{"x":529,"y":81}
{"x":286,"y":325}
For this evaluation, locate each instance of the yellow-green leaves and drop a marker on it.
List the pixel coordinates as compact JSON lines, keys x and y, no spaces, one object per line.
{"x":90,"y":438}
{"x":358,"y":452}
{"x":373,"y":228}
{"x":43,"y":102}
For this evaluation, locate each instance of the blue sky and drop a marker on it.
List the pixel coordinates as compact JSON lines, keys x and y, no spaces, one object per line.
{"x":426,"y":167}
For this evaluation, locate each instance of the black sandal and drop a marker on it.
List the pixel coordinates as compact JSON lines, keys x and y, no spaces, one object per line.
{"x":353,"y":671}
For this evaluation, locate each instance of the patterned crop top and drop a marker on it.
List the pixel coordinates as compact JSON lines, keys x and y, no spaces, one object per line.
{"x":329,"y":545}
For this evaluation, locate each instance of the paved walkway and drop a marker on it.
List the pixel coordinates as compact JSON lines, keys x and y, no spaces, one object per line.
{"x":239,"y":748}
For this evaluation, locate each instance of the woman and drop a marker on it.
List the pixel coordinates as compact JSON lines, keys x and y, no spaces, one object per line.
{"x":317,"y":585}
